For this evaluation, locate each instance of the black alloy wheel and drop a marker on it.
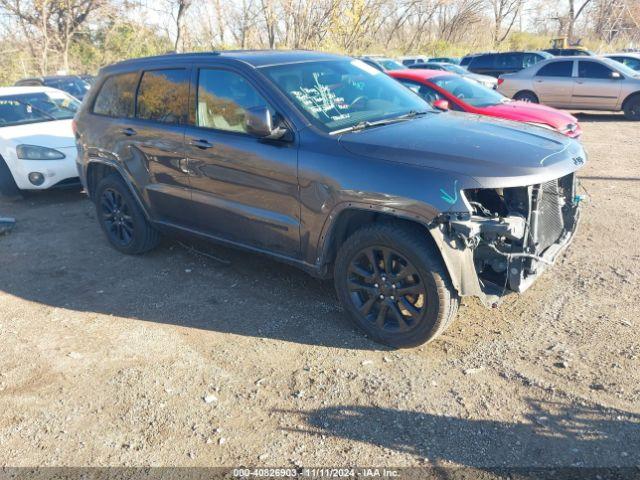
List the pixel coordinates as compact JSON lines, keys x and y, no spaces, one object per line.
{"x":116,"y":215}
{"x":386,"y":289}
{"x":392,"y":282}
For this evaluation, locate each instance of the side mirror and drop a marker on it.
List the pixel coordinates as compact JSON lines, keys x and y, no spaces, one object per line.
{"x":259,"y":123}
{"x":615,"y":75}
{"x":441,"y":104}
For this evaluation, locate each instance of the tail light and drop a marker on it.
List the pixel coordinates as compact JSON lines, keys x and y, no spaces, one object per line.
{"x":74,"y":127}
{"x":500,"y":80}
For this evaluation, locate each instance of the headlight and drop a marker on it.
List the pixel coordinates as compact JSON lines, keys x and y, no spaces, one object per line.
{"x":33,"y":152}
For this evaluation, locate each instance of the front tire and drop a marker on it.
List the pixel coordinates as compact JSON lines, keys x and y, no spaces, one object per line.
{"x":121,"y":218}
{"x":632,"y":108}
{"x":8,"y":187}
{"x":526,"y":96}
{"x":392,"y":282}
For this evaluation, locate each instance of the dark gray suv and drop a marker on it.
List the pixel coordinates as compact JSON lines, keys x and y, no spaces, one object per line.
{"x":326,"y":163}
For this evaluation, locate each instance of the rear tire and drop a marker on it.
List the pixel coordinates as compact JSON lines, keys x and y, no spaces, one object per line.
{"x":526,"y":96}
{"x":8,"y":187}
{"x":632,"y":108}
{"x":392,"y":282}
{"x":121,"y":218}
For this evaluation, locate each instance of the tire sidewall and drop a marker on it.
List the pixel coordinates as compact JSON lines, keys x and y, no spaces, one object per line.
{"x":431,"y":318}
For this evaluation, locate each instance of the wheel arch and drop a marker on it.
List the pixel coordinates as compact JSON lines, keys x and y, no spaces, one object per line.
{"x":457,"y":259}
{"x":526,"y":90}
{"x":97,"y":169}
{"x":629,"y":97}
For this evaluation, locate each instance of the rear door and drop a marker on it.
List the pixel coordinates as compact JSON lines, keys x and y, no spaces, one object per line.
{"x":157,"y":137}
{"x":594,"y":87}
{"x":245,"y":189}
{"x":553,"y":83}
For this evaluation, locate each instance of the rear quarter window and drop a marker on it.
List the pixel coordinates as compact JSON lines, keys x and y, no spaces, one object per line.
{"x":116,"y":96}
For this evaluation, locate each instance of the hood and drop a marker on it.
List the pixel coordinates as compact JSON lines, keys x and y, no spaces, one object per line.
{"x":495,"y":153}
{"x":531,"y":112}
{"x":54,"y":134}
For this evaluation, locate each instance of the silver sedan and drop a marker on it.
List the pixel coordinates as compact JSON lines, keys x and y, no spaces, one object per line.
{"x":577,"y":83}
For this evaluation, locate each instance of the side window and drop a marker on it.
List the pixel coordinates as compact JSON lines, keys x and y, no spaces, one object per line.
{"x":556,"y":69}
{"x":509,"y":61}
{"x":428,"y":94}
{"x":223,"y":99}
{"x":483,"y":61}
{"x":116,"y":97}
{"x":593,"y":70}
{"x":163,"y":96}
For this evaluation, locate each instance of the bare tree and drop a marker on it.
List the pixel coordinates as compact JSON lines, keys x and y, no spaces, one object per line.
{"x":505,"y":13}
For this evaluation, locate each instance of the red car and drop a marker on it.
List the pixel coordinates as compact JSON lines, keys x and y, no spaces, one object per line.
{"x":445,"y":90}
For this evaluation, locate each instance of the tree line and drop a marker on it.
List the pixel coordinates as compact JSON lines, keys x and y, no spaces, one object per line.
{"x":40,"y":37}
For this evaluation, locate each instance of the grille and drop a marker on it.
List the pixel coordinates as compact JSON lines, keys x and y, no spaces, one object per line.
{"x":550,"y":218}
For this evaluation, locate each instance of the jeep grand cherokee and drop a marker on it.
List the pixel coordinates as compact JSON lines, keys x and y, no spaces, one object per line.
{"x":324,"y":162}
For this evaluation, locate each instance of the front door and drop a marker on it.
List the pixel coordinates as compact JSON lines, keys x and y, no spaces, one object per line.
{"x":245,"y":189}
{"x":553,"y":83}
{"x":594,"y":87}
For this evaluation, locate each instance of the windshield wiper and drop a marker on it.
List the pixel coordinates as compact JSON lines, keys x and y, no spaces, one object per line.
{"x":377,"y":123}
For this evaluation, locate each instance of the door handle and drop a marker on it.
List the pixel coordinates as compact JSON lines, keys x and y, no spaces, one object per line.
{"x":200,"y":143}
{"x":129,"y":132}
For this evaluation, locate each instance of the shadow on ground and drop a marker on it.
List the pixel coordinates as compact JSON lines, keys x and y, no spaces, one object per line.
{"x":554,"y":434}
{"x":58,"y":256}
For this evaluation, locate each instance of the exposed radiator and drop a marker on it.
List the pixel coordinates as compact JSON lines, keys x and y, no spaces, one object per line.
{"x":550,"y":225}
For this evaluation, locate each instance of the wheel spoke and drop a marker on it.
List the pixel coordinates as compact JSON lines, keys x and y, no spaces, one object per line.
{"x":358,"y":286}
{"x":361,"y":272}
{"x":382,"y":315}
{"x":413,"y":311}
{"x":402,"y":323}
{"x":371,"y":256}
{"x":387,"y":258}
{"x":405,"y":271}
{"x":366,"y":306}
{"x":409,"y":290}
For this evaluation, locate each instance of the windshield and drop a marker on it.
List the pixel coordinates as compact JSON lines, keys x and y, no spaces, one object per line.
{"x":622,"y":68}
{"x":339,"y":94}
{"x":74,"y":86}
{"x":36,"y":107}
{"x":391,"y":64}
{"x":469,"y":91}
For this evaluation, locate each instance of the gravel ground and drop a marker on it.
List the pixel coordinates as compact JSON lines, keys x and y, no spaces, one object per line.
{"x":174,"y":358}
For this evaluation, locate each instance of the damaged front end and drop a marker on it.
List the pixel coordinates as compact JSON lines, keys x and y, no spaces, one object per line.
{"x":509,"y":237}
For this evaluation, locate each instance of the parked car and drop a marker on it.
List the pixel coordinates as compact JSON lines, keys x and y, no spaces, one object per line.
{"x":454,"y":60}
{"x":496,"y":64}
{"x":578,"y":83}
{"x":631,"y":60}
{"x":486,"y":80}
{"x":37,"y":146}
{"x":72,"y":84}
{"x":383,"y":64}
{"x":406,"y":61}
{"x":444,"y":90}
{"x":325,"y":163}
{"x":570,"y":52}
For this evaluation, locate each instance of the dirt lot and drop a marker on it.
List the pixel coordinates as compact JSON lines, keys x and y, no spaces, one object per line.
{"x":173,"y":358}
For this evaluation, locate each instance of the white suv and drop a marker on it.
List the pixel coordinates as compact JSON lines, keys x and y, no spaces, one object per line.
{"x":37,"y":145}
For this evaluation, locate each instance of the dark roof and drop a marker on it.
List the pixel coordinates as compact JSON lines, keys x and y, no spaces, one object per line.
{"x":255,"y":58}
